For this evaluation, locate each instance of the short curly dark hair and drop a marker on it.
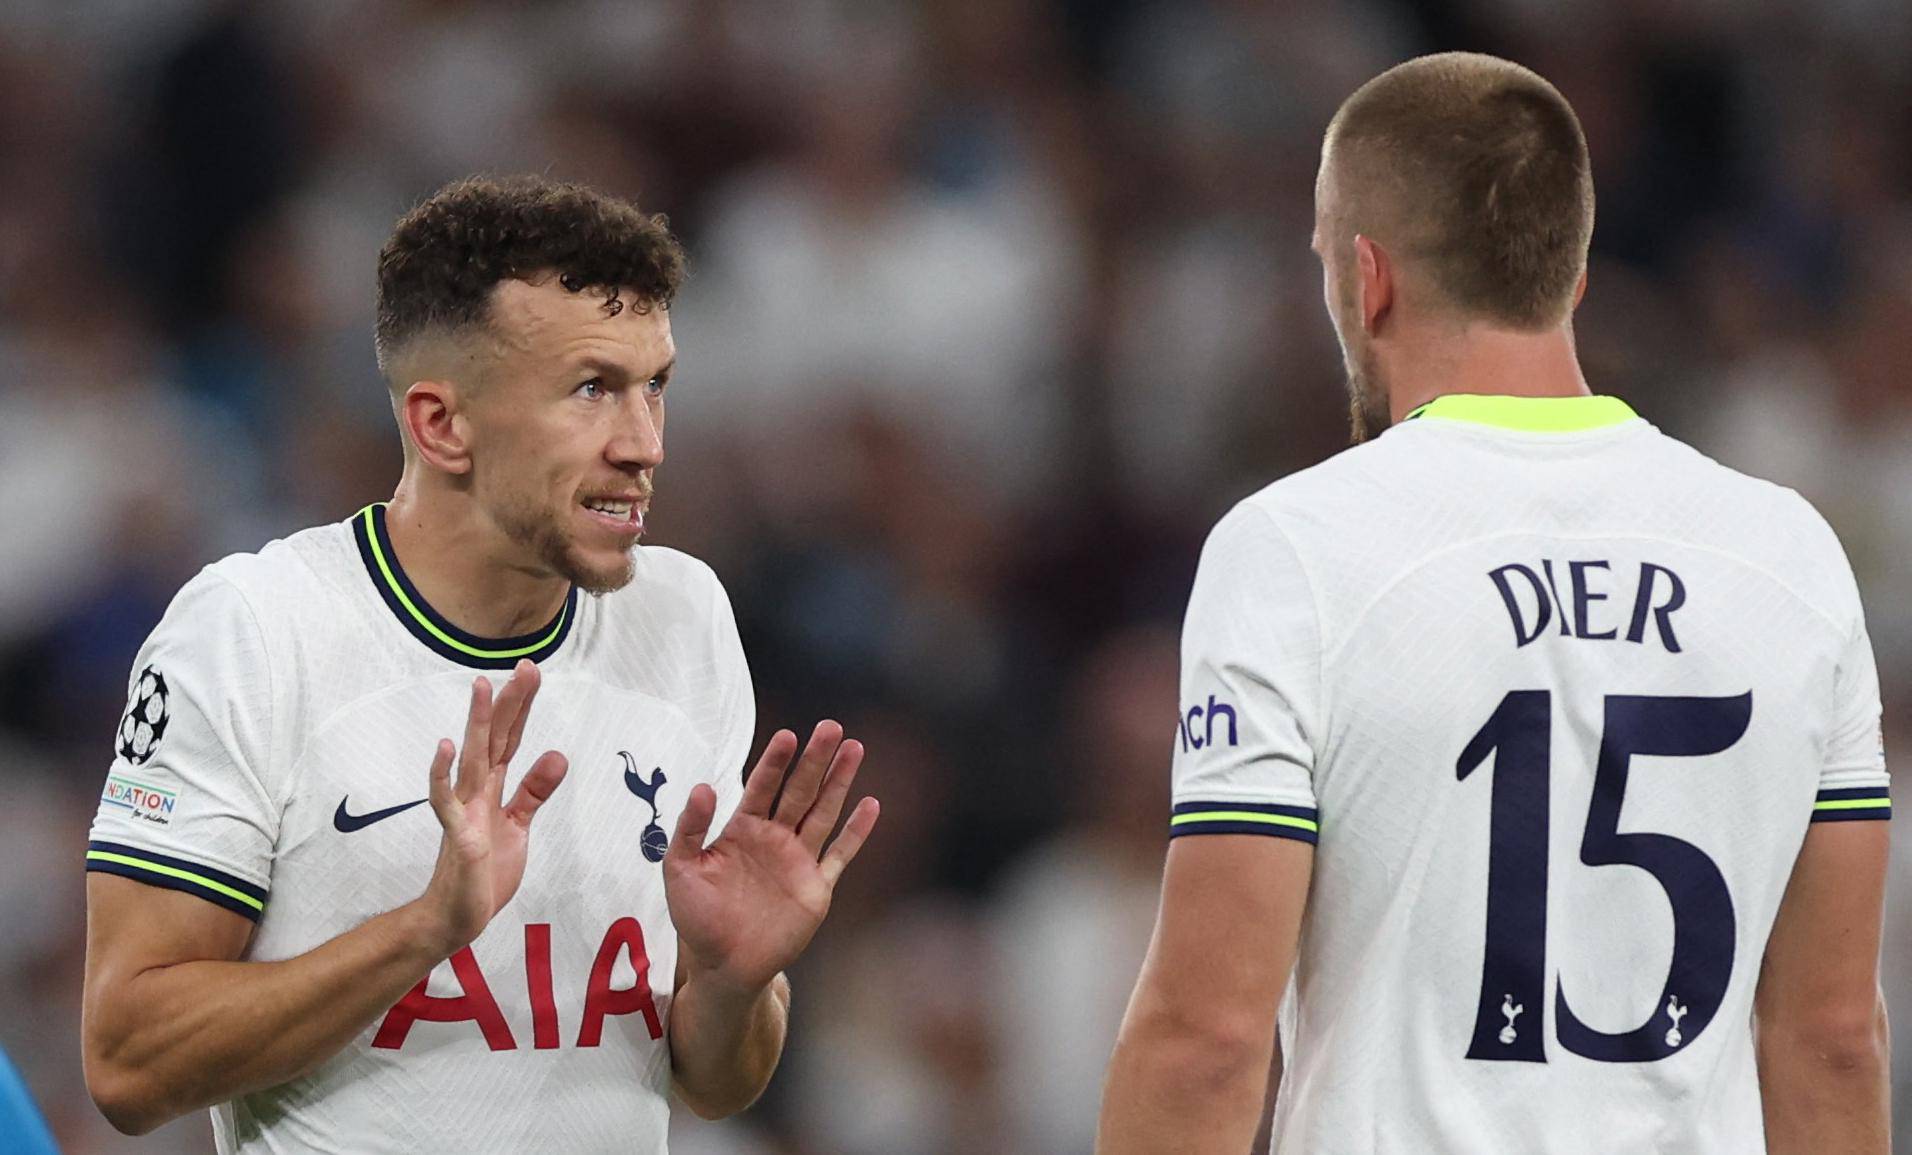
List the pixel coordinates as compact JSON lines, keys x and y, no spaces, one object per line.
{"x":446,"y":255}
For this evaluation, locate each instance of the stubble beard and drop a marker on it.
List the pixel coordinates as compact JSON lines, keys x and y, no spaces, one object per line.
{"x":540,"y":533}
{"x":1368,"y":409}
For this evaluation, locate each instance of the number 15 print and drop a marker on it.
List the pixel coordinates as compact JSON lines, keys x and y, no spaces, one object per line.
{"x":1514,"y":973}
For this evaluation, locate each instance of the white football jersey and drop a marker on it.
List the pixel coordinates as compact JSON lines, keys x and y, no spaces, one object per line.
{"x":274,"y":760}
{"x":1555,"y":696}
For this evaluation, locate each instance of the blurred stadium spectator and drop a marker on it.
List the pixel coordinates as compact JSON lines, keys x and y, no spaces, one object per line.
{"x":995,"y":307}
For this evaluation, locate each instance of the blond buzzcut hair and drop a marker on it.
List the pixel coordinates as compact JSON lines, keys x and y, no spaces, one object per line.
{"x":1474,"y":170}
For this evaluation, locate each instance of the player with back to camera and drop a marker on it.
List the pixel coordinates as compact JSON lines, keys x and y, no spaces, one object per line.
{"x":1567,"y":737}
{"x":257,"y":936}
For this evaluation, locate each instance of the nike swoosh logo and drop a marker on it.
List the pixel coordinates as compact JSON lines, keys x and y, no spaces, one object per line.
{"x":346,"y":823}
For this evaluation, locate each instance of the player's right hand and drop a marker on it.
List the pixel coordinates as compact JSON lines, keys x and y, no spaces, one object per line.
{"x":481,"y":859}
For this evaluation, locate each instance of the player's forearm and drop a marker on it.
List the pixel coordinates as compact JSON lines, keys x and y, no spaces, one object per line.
{"x":725,"y":1044}
{"x":1176,"y":1089}
{"x":1826,"y":1091}
{"x":172,"y":1039}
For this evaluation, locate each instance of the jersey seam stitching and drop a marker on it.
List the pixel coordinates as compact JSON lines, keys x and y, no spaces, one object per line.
{"x":721,"y":610}
{"x":327,"y":581}
{"x":1321,"y":649}
{"x":272,"y":701}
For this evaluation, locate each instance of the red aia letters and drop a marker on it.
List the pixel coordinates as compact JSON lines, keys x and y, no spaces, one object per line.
{"x":477,"y":1005}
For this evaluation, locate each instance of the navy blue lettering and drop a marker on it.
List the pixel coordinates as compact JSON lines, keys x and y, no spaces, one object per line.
{"x":1662,"y":614}
{"x":1514,"y":969}
{"x":1194,"y":712}
{"x":1214,"y":710}
{"x":1553,"y":587}
{"x":1703,"y":921}
{"x":1583,"y":597}
{"x":1654,"y":599}
{"x":1523,"y":635}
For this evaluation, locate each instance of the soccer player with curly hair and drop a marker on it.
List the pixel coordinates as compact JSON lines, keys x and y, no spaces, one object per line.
{"x":312,"y":910}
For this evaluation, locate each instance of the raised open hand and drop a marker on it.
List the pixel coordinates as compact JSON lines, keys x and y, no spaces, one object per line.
{"x":746,"y":905}
{"x":481,"y":858}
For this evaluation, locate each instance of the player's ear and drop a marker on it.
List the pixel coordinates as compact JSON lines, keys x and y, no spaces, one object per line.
{"x":1580,"y":290}
{"x":1374,"y":272}
{"x":430,"y":413}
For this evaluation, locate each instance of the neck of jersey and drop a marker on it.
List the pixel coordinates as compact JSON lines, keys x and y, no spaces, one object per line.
{"x":1529,"y":414}
{"x":433,"y":628}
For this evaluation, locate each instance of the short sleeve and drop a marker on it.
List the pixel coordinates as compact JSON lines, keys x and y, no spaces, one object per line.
{"x":736,"y":711}
{"x":1853,"y":785}
{"x":1250,"y":687}
{"x":185,"y":806}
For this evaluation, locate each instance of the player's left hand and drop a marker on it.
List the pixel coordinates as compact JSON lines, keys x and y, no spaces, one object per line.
{"x":746,"y":905}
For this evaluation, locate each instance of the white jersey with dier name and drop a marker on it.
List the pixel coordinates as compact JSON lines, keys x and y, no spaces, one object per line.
{"x":274,"y":760}
{"x":1556,"y":697}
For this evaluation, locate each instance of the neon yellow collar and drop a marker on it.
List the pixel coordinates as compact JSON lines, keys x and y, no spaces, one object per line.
{"x":1529,"y":414}
{"x":433,"y":628}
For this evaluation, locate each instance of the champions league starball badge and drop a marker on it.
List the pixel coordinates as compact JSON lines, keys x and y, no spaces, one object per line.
{"x":147,"y":712}
{"x":653,"y":842}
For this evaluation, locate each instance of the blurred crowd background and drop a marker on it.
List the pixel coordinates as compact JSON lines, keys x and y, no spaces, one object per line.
{"x":996,"y":305}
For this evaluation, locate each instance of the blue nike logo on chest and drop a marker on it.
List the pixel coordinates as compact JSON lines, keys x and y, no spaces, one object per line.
{"x":345,"y":822}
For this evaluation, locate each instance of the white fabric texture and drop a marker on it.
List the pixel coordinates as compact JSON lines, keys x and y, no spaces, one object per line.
{"x":1350,"y":621}
{"x":297,"y":695}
